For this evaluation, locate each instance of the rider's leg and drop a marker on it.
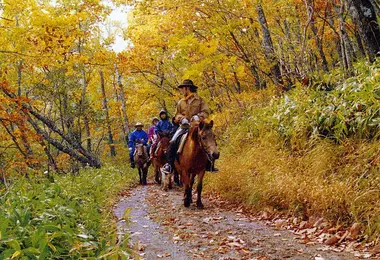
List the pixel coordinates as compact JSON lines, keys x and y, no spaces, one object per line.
{"x":153,"y":150}
{"x":172,"y":150}
{"x":131,"y":152}
{"x":148,"y":146}
{"x":210,"y":167}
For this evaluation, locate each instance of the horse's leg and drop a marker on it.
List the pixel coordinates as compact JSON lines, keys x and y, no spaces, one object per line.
{"x":157,"y":174}
{"x":140,"y":175}
{"x":177,"y":179}
{"x":170,"y":186}
{"x":145,"y":175}
{"x":187,"y":200}
{"x":186,"y":181}
{"x":192,"y":178}
{"x":199,"y":190}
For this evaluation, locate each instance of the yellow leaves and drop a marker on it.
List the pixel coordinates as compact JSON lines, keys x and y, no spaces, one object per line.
{"x":240,"y":71}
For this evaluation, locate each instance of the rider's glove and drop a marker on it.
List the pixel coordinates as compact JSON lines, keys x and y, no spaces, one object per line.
{"x":195,"y":118}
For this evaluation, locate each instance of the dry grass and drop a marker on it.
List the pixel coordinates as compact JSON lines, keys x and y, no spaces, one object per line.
{"x":338,"y":182}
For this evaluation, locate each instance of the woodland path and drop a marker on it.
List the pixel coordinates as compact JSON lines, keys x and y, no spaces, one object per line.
{"x":161,"y":227}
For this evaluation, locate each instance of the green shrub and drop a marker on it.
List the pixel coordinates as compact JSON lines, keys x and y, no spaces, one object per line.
{"x":311,"y":152}
{"x":70,"y":218}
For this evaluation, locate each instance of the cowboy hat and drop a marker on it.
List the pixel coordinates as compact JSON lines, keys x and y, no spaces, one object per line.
{"x":155,"y":119}
{"x":187,"y":83}
{"x":139,"y":124}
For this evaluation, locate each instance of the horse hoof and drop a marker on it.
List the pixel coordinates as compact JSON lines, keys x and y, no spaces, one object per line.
{"x":187,"y":203}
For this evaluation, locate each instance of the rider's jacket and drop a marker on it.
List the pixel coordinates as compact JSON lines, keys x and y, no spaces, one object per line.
{"x":135,"y":136}
{"x":164,"y":126}
{"x":192,"y":105}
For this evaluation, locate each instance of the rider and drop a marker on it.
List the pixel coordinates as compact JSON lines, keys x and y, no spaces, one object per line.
{"x":164,"y":126}
{"x":190,"y":107}
{"x":139,"y":135}
{"x":151,"y":131}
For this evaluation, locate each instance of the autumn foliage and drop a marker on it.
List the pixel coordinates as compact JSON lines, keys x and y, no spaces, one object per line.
{"x":295,"y":81}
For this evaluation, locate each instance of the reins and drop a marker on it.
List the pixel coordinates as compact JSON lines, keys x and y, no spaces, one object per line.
{"x":209,"y":157}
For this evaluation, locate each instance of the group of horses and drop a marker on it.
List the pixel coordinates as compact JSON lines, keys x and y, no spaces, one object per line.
{"x":199,"y":148}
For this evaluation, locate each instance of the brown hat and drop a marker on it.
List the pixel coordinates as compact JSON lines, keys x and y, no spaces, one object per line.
{"x":187,"y":83}
{"x":139,"y":124}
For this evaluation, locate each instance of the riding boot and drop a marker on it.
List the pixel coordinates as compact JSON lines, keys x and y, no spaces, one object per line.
{"x":210,"y":167}
{"x":133,"y":165}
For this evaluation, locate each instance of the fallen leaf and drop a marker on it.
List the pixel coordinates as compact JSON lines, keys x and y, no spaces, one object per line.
{"x":332,"y":240}
{"x":279,"y":223}
{"x":376,"y":250}
{"x":355,"y":230}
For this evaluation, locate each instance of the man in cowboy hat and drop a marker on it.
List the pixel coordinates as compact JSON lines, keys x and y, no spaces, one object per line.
{"x":190,"y":108}
{"x":139,"y":135}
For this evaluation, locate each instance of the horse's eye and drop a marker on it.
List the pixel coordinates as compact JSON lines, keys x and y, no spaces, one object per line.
{"x":203,"y":137}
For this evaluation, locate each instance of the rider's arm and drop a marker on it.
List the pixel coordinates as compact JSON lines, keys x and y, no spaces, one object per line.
{"x":179,"y":114}
{"x":157,"y":129}
{"x":205,"y":110}
{"x":145,"y":138}
{"x":131,"y":140}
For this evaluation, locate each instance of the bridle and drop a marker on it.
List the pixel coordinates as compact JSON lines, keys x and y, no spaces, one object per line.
{"x":204,"y":149}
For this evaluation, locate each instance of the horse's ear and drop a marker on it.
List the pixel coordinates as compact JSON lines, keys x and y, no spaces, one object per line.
{"x":201,"y":125}
{"x":211,"y":124}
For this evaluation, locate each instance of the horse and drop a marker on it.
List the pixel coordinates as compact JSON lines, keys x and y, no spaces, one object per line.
{"x":141,"y":158}
{"x":159,"y":158}
{"x":200,"y":147}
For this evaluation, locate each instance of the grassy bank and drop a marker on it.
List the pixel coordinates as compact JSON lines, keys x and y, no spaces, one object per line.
{"x":70,"y":218}
{"x":313,"y":152}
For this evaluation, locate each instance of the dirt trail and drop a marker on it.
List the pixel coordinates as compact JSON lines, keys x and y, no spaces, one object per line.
{"x":162,"y":227}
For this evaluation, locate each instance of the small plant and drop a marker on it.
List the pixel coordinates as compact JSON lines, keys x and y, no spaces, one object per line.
{"x":66,"y":219}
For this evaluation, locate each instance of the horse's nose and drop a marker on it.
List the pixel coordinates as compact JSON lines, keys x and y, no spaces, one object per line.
{"x":215,"y":155}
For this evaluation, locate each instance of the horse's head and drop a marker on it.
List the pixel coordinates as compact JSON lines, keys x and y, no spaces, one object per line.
{"x":139,"y":149}
{"x":164,"y":144}
{"x":208,"y":140}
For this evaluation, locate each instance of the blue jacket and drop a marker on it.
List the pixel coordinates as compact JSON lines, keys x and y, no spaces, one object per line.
{"x":136,"y":135}
{"x":164,"y":126}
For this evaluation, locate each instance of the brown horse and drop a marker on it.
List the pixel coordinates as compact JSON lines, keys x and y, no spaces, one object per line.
{"x":141,"y":158}
{"x":159,"y":158}
{"x":200,"y":147}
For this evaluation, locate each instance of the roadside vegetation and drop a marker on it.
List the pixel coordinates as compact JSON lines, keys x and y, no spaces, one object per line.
{"x":313,"y":152}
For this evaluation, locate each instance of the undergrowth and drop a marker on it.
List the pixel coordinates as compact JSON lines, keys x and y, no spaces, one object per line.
{"x":314,"y":151}
{"x":69,"y":218}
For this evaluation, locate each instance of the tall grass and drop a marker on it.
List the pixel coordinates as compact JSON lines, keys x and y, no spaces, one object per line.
{"x":312,"y":152}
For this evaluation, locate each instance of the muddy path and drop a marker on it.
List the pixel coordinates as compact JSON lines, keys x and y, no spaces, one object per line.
{"x":161,"y":227}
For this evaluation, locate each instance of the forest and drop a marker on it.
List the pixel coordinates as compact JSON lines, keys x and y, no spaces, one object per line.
{"x":293,"y":86}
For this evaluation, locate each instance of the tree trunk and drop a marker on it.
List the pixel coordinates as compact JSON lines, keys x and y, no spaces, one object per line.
{"x":74,"y":147}
{"x":123,"y":106}
{"x":268,"y":45}
{"x":375,"y":5}
{"x":86,"y":121}
{"x":310,"y":12}
{"x":105,"y":107}
{"x":365,"y":18}
{"x":346,"y":47}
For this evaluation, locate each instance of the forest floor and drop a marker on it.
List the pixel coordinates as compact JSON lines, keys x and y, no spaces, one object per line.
{"x":161,"y":227}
